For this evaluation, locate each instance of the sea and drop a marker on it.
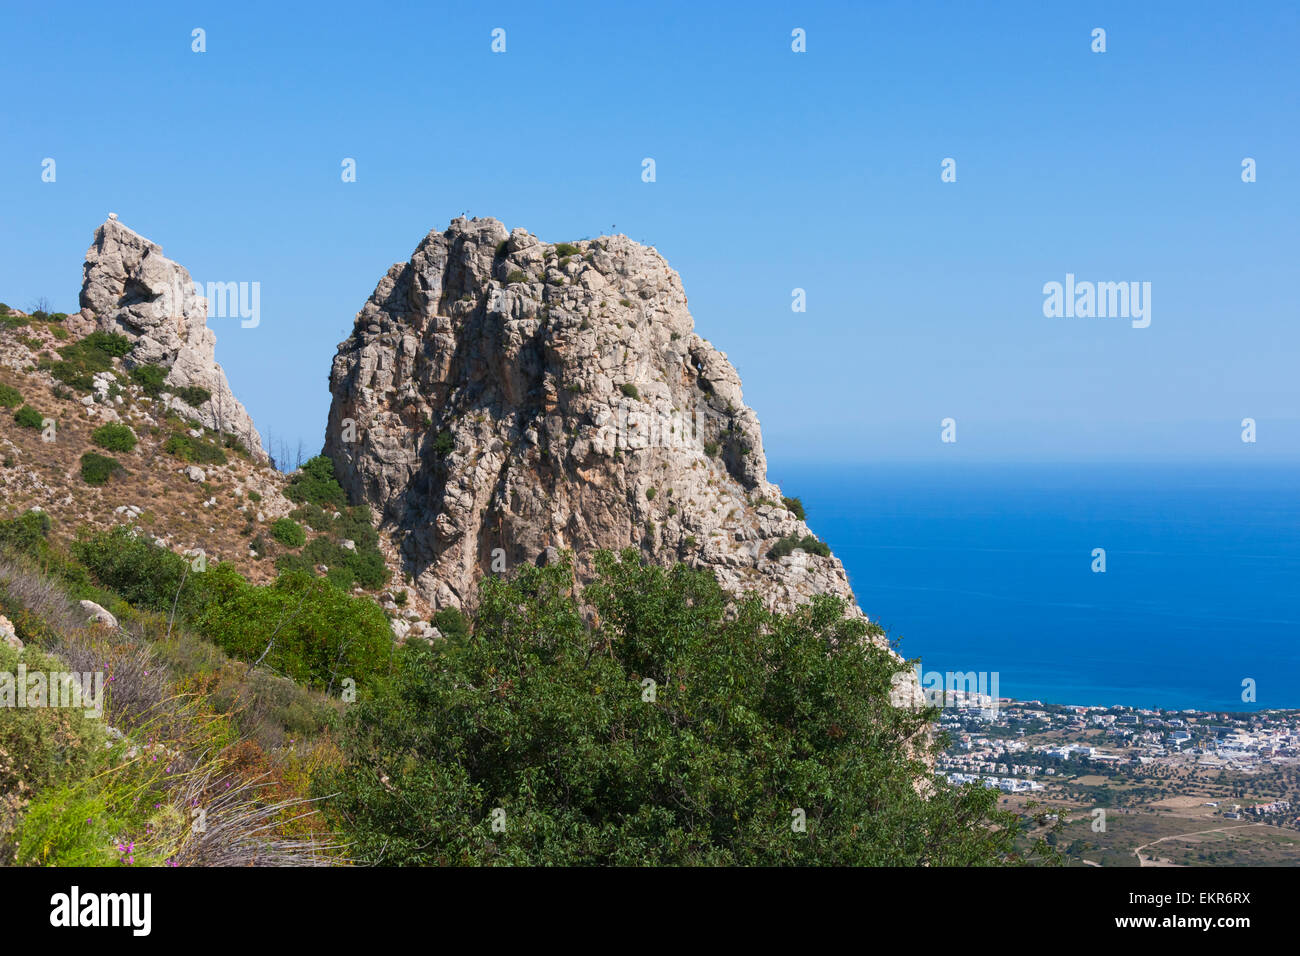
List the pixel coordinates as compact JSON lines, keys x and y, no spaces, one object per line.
{"x":995,"y":569}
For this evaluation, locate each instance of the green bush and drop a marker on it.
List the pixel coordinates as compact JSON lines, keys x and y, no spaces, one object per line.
{"x":443,"y":444}
{"x":144,"y":574}
{"x":807,"y":543}
{"x":630,"y":390}
{"x":67,"y":826}
{"x":321,"y":634}
{"x":10,"y":397}
{"x":151,"y":378}
{"x":566,"y":249}
{"x":288,"y":532}
{"x":363,"y":566}
{"x":114,"y":437}
{"x":27,"y":534}
{"x":81,"y":360}
{"x":754,"y":716}
{"x":28,"y":417}
{"x":516,"y":275}
{"x":452,"y":623}
{"x":197,"y":450}
{"x":317,"y":634}
{"x":192,"y":395}
{"x":96,"y":469}
{"x":315,"y":483}
{"x":711,"y":449}
{"x":795,"y":507}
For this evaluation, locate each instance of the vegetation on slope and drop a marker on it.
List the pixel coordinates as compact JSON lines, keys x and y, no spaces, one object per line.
{"x":673,"y":732}
{"x":653,"y":720}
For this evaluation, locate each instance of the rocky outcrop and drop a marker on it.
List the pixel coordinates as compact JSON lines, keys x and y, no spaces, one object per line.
{"x":501,"y":396}
{"x":131,"y":288}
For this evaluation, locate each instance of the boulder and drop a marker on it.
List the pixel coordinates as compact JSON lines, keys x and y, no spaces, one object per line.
{"x":97,"y":615}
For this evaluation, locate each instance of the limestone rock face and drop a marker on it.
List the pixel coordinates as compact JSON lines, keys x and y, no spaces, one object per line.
{"x":132,"y":289}
{"x":500,"y":397}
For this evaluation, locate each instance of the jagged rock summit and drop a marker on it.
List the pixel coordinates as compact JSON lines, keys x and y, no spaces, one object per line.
{"x":130,"y":288}
{"x":501,"y":396}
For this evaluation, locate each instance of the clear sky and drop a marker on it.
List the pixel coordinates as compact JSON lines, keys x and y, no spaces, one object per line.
{"x":775,"y":170}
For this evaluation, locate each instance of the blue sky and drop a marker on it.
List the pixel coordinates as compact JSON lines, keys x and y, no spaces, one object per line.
{"x":775,"y":170}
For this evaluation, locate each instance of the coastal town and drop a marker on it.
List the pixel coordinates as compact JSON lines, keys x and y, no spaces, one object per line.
{"x":1206,"y":786}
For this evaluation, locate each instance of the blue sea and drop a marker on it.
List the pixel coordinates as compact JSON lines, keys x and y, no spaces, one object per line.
{"x":988,"y":568}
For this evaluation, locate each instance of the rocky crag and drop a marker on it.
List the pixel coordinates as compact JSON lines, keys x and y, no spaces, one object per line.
{"x":130,"y":288}
{"x":501,"y":397}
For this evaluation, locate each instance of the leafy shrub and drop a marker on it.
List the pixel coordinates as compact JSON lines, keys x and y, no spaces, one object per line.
{"x":234,"y":444}
{"x":315,"y":483}
{"x":807,"y":543}
{"x":795,"y":507}
{"x":630,"y":390}
{"x":444,"y":444}
{"x":650,"y":494}
{"x":28,"y":417}
{"x":151,"y":378}
{"x":566,"y":249}
{"x":242,"y":618}
{"x":114,"y":437}
{"x":452,"y":623}
{"x":143,"y":573}
{"x":10,"y":397}
{"x":96,"y":469}
{"x":195,"y":450}
{"x":289,"y":533}
{"x":755,"y":713}
{"x":192,"y":395}
{"x":317,"y":634}
{"x":516,"y":275}
{"x":81,"y":360}
{"x":109,"y":343}
{"x":711,"y":448}
{"x":363,"y":566}
{"x":27,"y":534}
